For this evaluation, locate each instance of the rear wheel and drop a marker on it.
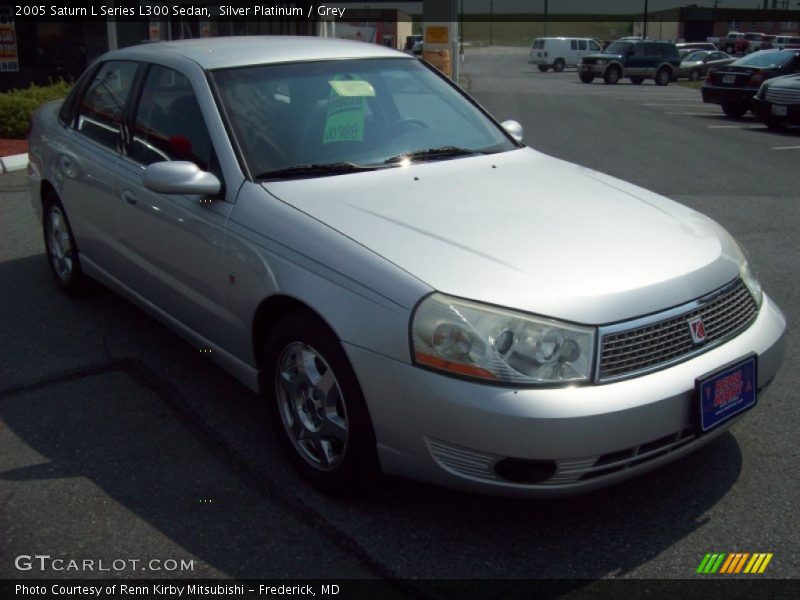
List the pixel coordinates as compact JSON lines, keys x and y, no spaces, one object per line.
{"x":612,"y":75}
{"x":317,"y":407}
{"x":734,"y":110}
{"x":694,"y":75}
{"x":543,"y":68}
{"x":61,"y":249}
{"x":729,"y":49}
{"x":587,"y":78}
{"x":637,"y":80}
{"x":558,"y":66}
{"x":663,"y":76}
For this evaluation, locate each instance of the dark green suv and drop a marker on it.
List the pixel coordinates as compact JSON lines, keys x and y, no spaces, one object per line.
{"x":637,"y":60}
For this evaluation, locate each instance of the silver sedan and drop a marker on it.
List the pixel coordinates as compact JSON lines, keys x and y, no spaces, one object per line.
{"x":697,"y":64}
{"x":408,"y":287}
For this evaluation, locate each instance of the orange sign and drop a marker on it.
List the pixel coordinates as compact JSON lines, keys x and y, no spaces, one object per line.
{"x":436,"y":35}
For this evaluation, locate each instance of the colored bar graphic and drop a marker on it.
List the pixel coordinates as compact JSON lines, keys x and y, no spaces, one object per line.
{"x":728,"y":564}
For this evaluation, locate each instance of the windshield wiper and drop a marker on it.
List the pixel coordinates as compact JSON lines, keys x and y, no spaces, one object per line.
{"x":433,"y":153}
{"x":317,"y":170}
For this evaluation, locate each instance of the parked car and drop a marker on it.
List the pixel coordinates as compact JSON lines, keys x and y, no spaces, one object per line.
{"x":757,"y":41}
{"x":696,"y":65}
{"x":733,"y":86}
{"x":559,"y":53}
{"x":777,"y":102}
{"x":414,"y":44}
{"x":783,"y":42}
{"x":406,"y":285}
{"x":636,"y":60}
{"x":733,"y":43}
{"x":686,"y":48}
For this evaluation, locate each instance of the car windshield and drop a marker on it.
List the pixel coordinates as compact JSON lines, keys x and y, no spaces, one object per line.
{"x":694,"y":56}
{"x":618,"y":48}
{"x":350,"y":114}
{"x":765,"y":59}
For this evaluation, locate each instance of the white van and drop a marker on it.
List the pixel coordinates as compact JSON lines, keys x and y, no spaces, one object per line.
{"x":782,"y":42}
{"x":560,"y":52}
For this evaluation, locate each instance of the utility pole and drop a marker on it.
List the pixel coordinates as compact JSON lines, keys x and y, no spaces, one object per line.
{"x":545,"y":18}
{"x":644,"y":31}
{"x":491,"y":22}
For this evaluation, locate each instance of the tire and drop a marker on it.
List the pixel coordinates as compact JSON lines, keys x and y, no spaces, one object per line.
{"x":587,"y":78}
{"x":543,"y":68}
{"x":317,"y":407}
{"x":694,"y":75}
{"x":734,"y":110}
{"x":637,"y":80}
{"x":612,"y":75}
{"x":61,"y":250}
{"x":663,"y":76}
{"x":729,"y":49}
{"x":558,"y":66}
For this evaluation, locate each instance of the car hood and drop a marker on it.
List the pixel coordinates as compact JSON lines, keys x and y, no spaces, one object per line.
{"x":527,"y":231}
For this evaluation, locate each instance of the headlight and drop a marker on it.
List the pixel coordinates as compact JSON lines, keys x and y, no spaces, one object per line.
{"x":475,"y":340}
{"x":748,"y":275}
{"x":751,"y":281}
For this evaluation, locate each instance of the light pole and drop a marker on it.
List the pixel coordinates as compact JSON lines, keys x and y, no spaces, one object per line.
{"x":491,"y":22}
{"x":644,"y":31}
{"x":545,"y":18}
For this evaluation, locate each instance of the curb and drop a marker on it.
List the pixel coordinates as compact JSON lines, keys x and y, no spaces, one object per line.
{"x":16,"y":162}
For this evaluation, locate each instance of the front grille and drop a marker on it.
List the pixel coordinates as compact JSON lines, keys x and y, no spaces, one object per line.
{"x":783,"y":95}
{"x":659,"y":342}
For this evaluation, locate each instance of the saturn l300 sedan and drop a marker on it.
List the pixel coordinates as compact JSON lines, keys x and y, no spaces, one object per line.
{"x":408,"y":287}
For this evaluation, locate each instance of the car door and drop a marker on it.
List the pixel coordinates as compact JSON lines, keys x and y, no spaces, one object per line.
{"x":86,"y":158}
{"x":636,"y":62}
{"x":173,"y":244}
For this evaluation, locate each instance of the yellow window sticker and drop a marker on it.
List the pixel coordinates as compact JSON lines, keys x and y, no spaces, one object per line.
{"x":355,"y":87}
{"x":347,"y":109}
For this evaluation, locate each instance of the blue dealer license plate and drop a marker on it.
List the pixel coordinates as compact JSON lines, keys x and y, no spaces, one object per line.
{"x":727,"y":392}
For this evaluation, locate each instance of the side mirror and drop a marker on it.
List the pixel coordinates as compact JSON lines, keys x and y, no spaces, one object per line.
{"x":514,"y":128}
{"x":180,"y":177}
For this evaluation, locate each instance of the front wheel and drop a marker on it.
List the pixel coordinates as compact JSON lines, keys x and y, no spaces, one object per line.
{"x":612,"y":75}
{"x":734,"y":110}
{"x":317,"y":407}
{"x":663,"y":76}
{"x":587,"y":78}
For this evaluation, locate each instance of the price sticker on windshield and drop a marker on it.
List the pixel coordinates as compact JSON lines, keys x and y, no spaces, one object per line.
{"x":347,"y":109}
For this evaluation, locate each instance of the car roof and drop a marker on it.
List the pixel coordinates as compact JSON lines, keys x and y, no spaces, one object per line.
{"x":237,"y":51}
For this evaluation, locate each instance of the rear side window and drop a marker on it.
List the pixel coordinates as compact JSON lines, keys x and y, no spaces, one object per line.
{"x":102,"y":106}
{"x":581,"y":44}
{"x":573,"y":44}
{"x":168,"y":123}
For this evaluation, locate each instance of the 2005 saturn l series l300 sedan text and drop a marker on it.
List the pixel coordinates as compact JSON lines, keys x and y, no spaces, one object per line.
{"x":409,"y":287}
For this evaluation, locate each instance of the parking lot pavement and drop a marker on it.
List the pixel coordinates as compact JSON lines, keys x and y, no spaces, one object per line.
{"x":118,"y":438}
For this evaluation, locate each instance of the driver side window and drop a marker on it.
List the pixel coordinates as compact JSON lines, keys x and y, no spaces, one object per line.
{"x":102,"y":106}
{"x":169,"y":124}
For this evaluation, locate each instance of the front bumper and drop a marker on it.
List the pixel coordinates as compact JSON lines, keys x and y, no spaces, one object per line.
{"x":453,"y":432}
{"x":763,"y":110}
{"x":596,"y":70}
{"x":714,"y":94}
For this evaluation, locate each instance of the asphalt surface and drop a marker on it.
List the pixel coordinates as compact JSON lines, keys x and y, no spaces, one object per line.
{"x":120,"y":441}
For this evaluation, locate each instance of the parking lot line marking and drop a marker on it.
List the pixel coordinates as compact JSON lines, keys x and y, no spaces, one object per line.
{"x":705,"y":114}
{"x":736,"y":126}
{"x":675,"y":104}
{"x":787,"y":148}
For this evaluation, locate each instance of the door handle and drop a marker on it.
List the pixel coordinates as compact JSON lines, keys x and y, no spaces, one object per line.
{"x":67,"y":166}
{"x":129,"y":197}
